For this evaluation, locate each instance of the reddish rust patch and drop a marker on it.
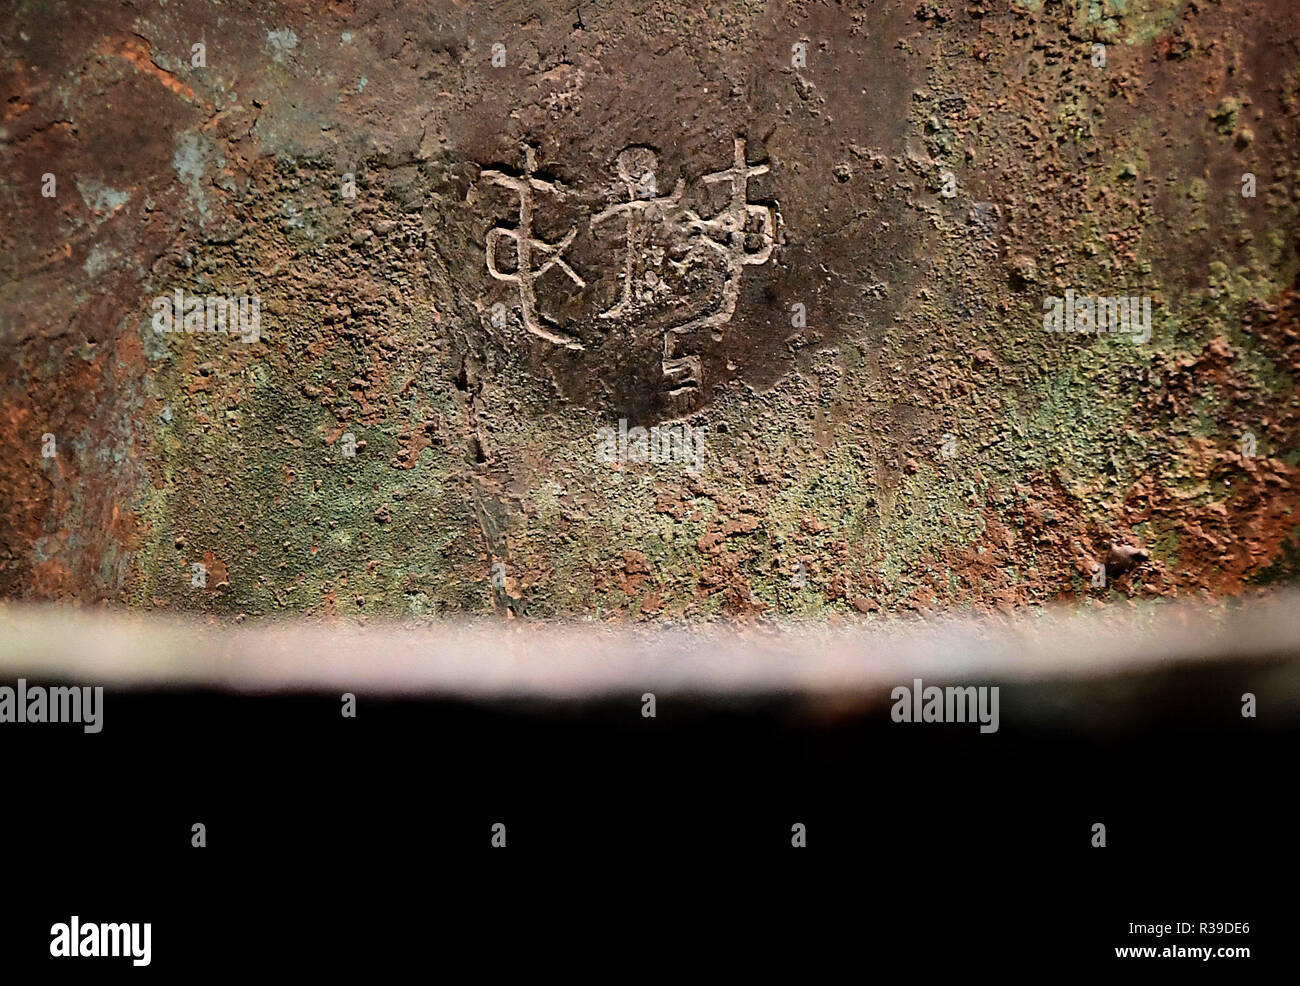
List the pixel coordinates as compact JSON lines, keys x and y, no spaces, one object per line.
{"x":137,"y":53}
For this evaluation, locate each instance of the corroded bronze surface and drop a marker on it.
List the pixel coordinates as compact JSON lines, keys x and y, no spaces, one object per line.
{"x":823,"y":235}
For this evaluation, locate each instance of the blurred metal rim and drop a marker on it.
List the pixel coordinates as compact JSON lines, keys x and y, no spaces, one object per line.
{"x":587,"y":660}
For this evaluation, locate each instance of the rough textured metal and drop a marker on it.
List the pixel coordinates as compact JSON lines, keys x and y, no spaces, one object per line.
{"x":919,"y":443}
